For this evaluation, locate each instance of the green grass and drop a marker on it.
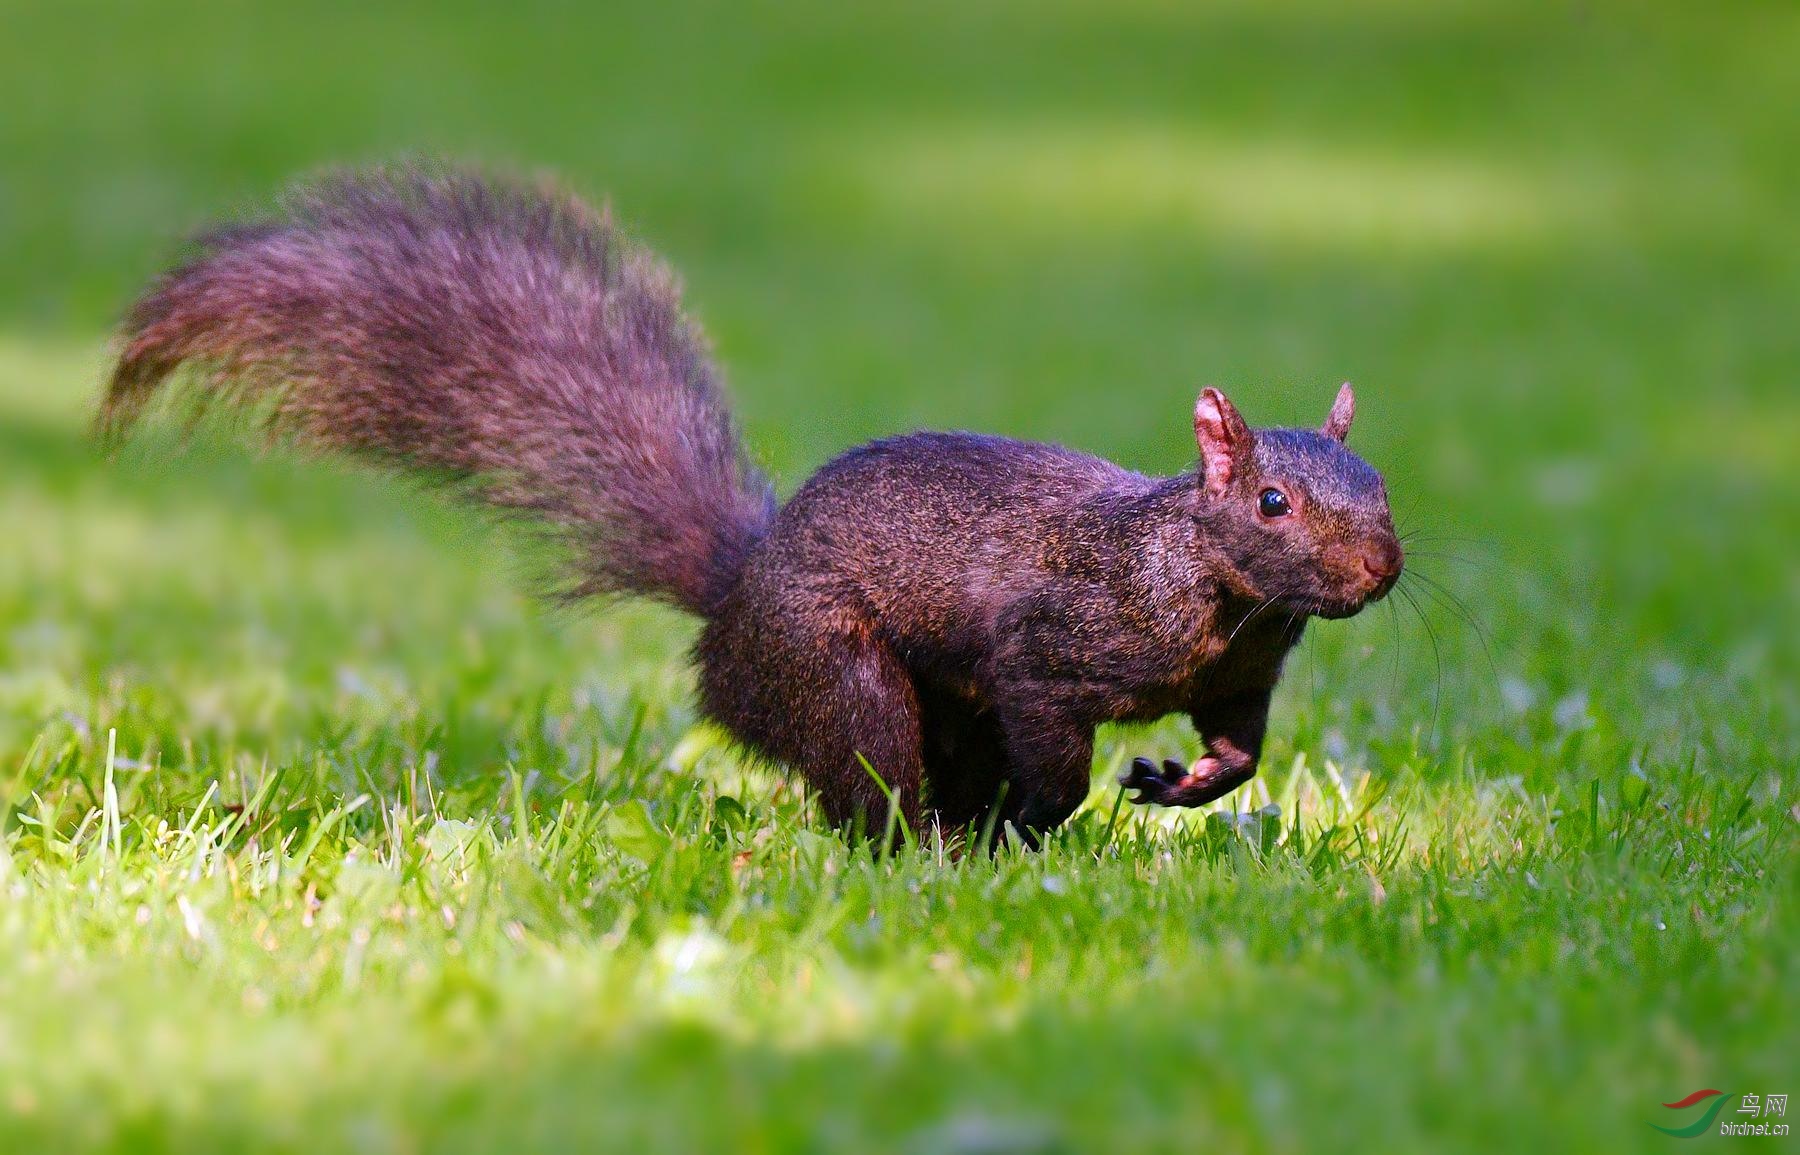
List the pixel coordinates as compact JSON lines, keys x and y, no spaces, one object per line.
{"x":386,"y":858}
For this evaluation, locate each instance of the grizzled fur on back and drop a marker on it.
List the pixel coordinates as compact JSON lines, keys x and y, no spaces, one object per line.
{"x":502,"y":333}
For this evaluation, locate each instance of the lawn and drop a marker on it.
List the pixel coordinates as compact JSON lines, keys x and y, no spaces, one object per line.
{"x":318,"y":834}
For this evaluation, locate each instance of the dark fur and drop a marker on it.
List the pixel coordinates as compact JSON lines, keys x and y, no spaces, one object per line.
{"x":958,"y":611}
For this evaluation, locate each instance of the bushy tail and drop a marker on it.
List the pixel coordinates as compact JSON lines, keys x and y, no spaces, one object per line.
{"x":497,"y":332}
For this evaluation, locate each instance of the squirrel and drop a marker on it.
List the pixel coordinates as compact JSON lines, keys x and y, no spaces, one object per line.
{"x":933,"y":623}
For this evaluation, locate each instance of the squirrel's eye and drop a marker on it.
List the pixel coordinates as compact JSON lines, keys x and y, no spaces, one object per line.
{"x":1274,"y":503}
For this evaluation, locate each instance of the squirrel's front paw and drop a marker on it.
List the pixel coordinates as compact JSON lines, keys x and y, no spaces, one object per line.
{"x":1153,"y":785}
{"x":1178,"y":785}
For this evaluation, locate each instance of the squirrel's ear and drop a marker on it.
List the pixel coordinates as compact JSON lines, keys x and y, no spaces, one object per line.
{"x":1224,"y":439}
{"x":1343,"y":411}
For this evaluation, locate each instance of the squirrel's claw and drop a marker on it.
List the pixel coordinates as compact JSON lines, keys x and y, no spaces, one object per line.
{"x":1152,"y":784}
{"x":1140,"y":771}
{"x":1143,"y":777}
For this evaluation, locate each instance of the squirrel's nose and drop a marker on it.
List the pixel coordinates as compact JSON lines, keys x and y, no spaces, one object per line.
{"x":1383,"y":560}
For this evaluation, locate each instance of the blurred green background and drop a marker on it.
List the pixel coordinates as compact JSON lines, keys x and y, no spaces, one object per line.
{"x":1555,"y":246}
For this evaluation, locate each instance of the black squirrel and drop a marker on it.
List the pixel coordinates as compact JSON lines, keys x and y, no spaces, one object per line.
{"x":936,"y":621}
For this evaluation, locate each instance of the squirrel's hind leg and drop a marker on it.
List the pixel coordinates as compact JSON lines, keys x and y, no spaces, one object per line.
{"x":814,"y":687}
{"x":965,"y":762}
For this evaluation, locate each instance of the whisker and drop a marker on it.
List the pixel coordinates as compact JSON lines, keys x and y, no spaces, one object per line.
{"x":1261,"y":606}
{"x":1394,"y":672}
{"x":1493,"y":564}
{"x":1312,"y":670}
{"x":1428,"y":533}
{"x":1423,"y":541}
{"x":1437,"y":653}
{"x":1443,"y":596}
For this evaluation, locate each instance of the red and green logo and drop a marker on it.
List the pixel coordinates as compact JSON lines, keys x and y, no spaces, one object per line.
{"x":1700,"y":1125}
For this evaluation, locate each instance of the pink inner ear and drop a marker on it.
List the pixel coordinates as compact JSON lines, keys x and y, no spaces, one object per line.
{"x":1216,"y":469}
{"x":1207,"y":425}
{"x":1215,"y":420}
{"x":1217,"y":430}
